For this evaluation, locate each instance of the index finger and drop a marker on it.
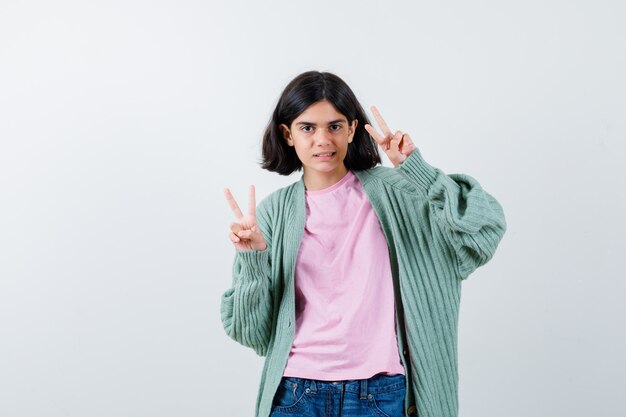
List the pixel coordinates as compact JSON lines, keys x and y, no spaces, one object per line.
{"x":232,"y":203}
{"x":251,"y":201}
{"x":378,"y":138}
{"x":381,"y":122}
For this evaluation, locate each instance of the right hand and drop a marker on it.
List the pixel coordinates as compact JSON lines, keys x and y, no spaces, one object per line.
{"x":245,"y":233}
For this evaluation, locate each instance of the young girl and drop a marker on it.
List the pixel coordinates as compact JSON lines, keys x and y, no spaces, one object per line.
{"x":349,"y":280}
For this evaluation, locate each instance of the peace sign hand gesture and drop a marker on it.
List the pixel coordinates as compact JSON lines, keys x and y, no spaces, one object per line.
{"x":397,"y":146}
{"x":245,"y":233}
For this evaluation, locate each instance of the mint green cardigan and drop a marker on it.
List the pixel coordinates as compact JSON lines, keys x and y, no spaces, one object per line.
{"x":439,"y":229}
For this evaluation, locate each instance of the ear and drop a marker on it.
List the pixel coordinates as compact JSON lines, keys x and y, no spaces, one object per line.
{"x":352,"y":129}
{"x":286,"y":134}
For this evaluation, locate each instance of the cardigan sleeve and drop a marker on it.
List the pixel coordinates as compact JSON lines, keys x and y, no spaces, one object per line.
{"x":246,"y":307}
{"x":471,"y":220}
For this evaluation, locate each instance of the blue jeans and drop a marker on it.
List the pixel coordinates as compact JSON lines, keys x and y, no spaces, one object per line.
{"x":379,"y":396}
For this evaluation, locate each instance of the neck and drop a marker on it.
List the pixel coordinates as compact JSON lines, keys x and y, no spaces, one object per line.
{"x":318,"y":181}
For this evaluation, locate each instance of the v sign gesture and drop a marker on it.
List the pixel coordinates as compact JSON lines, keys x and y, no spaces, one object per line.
{"x":397,"y":146}
{"x":245,"y":234}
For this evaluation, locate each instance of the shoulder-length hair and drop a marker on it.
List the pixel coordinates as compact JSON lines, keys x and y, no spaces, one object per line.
{"x":304,"y":90}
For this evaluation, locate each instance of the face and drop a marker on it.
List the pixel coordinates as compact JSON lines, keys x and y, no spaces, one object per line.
{"x":320,"y":136}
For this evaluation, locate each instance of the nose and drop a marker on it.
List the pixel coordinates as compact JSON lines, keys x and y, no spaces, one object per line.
{"x":322,"y":137}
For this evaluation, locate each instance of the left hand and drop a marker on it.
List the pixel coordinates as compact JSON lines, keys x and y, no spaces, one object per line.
{"x":397,"y":146}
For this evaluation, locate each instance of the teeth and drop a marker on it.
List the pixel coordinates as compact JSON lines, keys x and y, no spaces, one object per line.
{"x":325,"y":154}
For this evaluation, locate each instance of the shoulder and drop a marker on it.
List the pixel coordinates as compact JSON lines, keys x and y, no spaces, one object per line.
{"x":279,"y":198}
{"x":271,"y":210}
{"x":389,"y":178}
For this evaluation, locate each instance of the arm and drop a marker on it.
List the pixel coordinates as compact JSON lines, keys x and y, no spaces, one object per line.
{"x":246,"y":307}
{"x":471,"y":220}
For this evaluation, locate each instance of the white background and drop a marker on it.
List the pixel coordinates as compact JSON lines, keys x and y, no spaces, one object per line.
{"x":122,"y":121}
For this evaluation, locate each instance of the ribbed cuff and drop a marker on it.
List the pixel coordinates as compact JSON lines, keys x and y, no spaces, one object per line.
{"x":254,"y":260}
{"x":421,"y":172}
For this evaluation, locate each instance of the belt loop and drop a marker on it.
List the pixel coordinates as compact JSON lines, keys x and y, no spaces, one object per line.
{"x":363,"y":394}
{"x":313,"y":386}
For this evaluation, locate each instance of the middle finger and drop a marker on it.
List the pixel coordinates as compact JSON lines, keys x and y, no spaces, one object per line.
{"x":251,"y":202}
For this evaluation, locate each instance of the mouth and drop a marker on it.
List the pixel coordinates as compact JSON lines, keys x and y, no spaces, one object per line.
{"x":324,"y":154}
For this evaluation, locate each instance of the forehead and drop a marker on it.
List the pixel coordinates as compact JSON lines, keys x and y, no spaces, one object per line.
{"x":320,"y":112}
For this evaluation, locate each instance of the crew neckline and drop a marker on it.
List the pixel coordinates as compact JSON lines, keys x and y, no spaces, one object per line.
{"x":336,"y":185}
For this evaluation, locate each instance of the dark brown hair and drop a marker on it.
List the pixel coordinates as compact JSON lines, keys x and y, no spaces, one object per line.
{"x":306,"y":89}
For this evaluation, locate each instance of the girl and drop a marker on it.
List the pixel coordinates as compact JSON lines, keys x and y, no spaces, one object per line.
{"x":349,"y":280}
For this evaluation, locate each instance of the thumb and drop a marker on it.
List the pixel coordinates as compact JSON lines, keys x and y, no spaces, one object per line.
{"x":395,"y":143}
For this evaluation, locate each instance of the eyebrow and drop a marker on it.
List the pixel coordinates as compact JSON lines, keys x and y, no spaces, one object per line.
{"x":330,"y":123}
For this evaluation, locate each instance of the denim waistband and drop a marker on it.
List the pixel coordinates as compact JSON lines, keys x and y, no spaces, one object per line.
{"x":377,"y":384}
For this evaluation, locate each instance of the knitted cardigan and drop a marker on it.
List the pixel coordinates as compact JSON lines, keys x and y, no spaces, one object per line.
{"x":439,"y":228}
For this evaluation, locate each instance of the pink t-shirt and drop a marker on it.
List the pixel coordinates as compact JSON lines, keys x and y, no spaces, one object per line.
{"x":345,"y":311}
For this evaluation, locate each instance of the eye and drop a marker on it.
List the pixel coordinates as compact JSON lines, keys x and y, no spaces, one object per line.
{"x":306,"y":127}
{"x":336,"y":127}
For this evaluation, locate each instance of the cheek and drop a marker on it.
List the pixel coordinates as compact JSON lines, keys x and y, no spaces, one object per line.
{"x":300,"y":152}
